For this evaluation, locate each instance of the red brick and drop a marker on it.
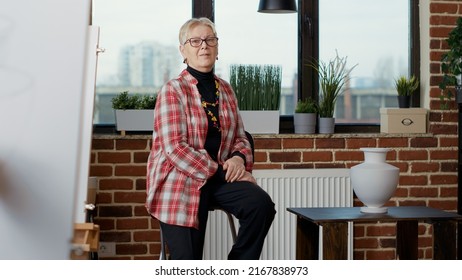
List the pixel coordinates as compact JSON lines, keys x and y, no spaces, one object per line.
{"x":330,"y":143}
{"x":380,"y":255}
{"x":449,"y":166}
{"x":356,"y":143}
{"x":443,"y":129}
{"x":102,"y":144}
{"x":412,"y":180}
{"x":147,"y":236}
{"x":140,"y":157}
{"x":130,"y":170}
{"x":387,"y":243}
{"x":105,"y":224}
{"x":443,"y":8}
{"x":113,"y":157}
{"x":132,"y":223}
{"x":298,"y":143}
{"x":267,"y":144}
{"x":419,"y":167}
{"x":119,"y":236}
{"x":316,"y":156}
{"x":115,"y":211}
{"x":154,"y":248}
{"x":100,"y":170}
{"x":362,"y":243}
{"x":260,"y":157}
{"x":425,"y":241}
{"x":359,"y":255}
{"x":140,"y":184}
{"x":401,"y":192}
{"x":132,"y":144}
{"x":448,"y":205}
{"x":131,"y":249}
{"x":285,"y":156}
{"x":443,"y":179}
{"x":130,"y":197}
{"x":413,"y":155}
{"x":103,"y":198}
{"x":392,"y":142}
{"x":115,"y":184}
{"x":443,"y":154}
{"x":349,"y":156}
{"x":424,"y":142}
{"x":359,"y":230}
{"x":423,"y":192}
{"x":448,"y":191}
{"x":381,"y":230}
{"x":449,"y":142}
{"x":141,"y":210}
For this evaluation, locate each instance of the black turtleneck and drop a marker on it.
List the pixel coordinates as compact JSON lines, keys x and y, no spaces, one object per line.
{"x":207,"y":90}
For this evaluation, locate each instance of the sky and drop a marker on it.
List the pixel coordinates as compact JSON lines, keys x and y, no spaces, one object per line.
{"x":249,"y":37}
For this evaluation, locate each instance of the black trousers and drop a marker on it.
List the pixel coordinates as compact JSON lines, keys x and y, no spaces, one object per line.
{"x":249,"y":203}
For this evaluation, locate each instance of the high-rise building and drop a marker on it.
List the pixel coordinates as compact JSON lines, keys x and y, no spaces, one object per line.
{"x":148,"y":64}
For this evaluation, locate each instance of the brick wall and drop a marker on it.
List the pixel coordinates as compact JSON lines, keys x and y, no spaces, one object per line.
{"x":427,"y":162}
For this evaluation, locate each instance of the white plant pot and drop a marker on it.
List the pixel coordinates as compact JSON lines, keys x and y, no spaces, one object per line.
{"x":305,"y":123}
{"x":374,"y":181}
{"x":134,"y":120}
{"x":326,"y":125}
{"x":261,"y":122}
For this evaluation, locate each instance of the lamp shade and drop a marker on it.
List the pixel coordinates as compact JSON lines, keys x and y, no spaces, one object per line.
{"x":277,"y":6}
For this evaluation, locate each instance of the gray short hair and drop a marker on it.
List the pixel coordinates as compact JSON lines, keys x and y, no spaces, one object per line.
{"x":187,"y":26}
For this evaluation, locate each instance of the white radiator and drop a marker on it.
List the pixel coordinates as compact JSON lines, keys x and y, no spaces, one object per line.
{"x":288,"y":188}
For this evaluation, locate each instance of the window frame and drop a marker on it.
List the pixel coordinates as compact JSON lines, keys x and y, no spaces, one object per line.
{"x":308,"y":47}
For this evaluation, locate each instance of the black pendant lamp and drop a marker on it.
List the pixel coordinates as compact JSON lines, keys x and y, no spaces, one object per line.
{"x":277,"y":6}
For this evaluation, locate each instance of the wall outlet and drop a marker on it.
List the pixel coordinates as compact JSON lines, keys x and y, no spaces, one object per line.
{"x":106,"y":249}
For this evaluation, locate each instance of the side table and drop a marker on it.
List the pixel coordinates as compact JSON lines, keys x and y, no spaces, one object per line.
{"x":334,"y":221}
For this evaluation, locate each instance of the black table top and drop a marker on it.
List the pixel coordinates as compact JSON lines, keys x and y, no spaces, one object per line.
{"x":346,"y":214}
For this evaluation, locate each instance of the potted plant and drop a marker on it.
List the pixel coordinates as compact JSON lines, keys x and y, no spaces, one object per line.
{"x":333,"y":75}
{"x":258,"y":93}
{"x":134,"y":112}
{"x":305,"y":116}
{"x":451,"y":67}
{"x":405,"y":88}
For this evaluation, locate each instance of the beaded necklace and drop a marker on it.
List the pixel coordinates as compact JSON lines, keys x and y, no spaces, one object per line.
{"x":207,"y":106}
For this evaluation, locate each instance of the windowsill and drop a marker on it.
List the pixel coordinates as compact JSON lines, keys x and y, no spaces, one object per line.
{"x":109,"y":132}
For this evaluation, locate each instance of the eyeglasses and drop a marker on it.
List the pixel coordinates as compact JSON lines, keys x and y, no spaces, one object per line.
{"x":197,"y":42}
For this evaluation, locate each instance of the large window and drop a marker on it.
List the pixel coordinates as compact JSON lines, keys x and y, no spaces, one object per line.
{"x":375,"y":36}
{"x":140,"y":38}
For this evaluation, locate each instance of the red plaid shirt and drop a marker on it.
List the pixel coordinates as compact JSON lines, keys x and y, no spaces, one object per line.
{"x":178,"y":165}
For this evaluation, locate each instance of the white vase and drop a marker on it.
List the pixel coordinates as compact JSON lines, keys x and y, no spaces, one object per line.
{"x":374,"y":181}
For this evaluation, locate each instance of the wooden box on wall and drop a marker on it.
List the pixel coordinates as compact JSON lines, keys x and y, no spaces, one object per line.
{"x":403,"y":120}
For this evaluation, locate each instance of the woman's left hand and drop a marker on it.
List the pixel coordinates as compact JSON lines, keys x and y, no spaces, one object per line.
{"x":234,"y":168}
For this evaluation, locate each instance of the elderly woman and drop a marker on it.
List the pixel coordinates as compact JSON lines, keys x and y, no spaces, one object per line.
{"x":201,"y":157}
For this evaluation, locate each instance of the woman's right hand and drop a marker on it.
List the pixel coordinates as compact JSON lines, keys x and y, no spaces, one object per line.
{"x":248,"y":177}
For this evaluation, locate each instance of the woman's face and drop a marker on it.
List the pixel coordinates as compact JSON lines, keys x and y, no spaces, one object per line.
{"x":203,"y":57}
